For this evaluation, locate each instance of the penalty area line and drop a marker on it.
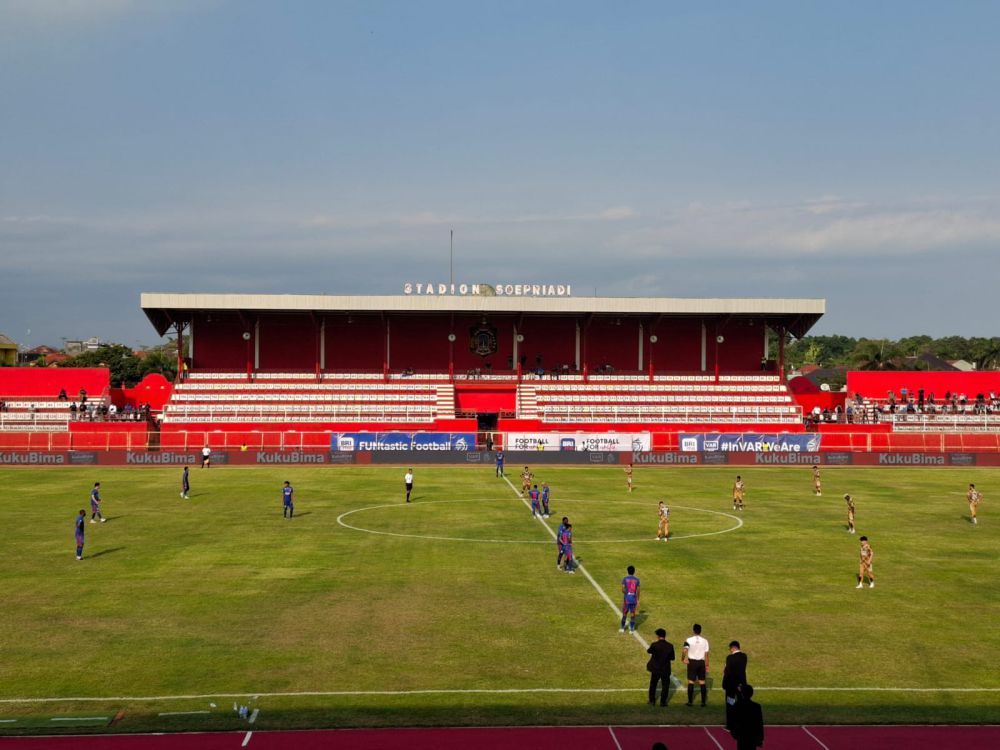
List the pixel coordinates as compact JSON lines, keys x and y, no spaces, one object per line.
{"x":595,"y":584}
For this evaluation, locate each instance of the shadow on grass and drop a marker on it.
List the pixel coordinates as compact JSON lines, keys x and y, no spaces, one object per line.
{"x":302,"y":515}
{"x":109,"y":551}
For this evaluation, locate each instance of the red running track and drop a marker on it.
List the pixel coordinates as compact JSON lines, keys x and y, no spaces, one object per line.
{"x":537,"y":738}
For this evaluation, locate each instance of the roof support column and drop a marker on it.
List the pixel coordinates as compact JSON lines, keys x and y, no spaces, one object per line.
{"x":248,"y":337}
{"x":576,"y":361}
{"x":387,"y":360}
{"x":180,"y":352}
{"x":782,"y":333}
{"x":641,"y":333}
{"x":704,"y":347}
{"x":256,"y":344}
{"x":318,"y":359}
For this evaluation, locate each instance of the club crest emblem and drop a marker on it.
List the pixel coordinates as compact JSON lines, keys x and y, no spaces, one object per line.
{"x":483,"y":340}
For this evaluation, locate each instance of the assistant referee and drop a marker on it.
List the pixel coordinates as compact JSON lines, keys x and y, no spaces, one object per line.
{"x":695,"y":655}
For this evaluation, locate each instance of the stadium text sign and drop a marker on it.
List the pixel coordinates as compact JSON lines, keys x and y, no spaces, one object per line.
{"x":486,"y":290}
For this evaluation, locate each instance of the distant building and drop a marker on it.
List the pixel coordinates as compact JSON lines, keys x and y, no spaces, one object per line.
{"x":961,"y":364}
{"x":8,"y":351}
{"x":38,"y":353}
{"x":79,"y":347}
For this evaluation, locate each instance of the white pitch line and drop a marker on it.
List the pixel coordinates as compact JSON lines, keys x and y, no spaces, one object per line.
{"x":434,"y":538}
{"x":253,"y":716}
{"x":582,"y":569}
{"x":8,"y":721}
{"x":815,"y":738}
{"x":246,"y":739}
{"x":613,"y":737}
{"x":712,"y":738}
{"x":80,"y":718}
{"x":465,"y":691}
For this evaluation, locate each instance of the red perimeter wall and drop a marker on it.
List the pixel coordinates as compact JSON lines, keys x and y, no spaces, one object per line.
{"x":878,"y":384}
{"x":46,"y":381}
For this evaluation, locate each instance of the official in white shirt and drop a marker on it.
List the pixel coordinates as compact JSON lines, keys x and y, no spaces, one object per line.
{"x":695,"y":656}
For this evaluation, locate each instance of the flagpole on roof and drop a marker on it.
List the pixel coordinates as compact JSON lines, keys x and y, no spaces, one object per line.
{"x":451,"y":258}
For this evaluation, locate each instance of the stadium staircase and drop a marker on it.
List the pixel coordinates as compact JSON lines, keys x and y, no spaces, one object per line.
{"x":687,"y":399}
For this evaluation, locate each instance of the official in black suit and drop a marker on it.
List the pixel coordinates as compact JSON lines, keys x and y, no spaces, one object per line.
{"x":661,"y":653}
{"x":748,"y":721}
{"x":733,"y":678}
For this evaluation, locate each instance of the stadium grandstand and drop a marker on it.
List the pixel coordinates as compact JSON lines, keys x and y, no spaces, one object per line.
{"x":294,"y":371}
{"x":476,"y":361}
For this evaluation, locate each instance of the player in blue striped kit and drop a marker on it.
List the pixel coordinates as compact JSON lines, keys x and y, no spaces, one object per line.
{"x":545,"y":499}
{"x":81,"y":522}
{"x":559,"y":548}
{"x":630,"y":591}
{"x":566,"y":542}
{"x":95,"y":503}
{"x":288,"y":507}
{"x":536,"y":508}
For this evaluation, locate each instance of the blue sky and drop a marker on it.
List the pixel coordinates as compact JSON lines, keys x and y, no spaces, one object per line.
{"x":775,"y":149}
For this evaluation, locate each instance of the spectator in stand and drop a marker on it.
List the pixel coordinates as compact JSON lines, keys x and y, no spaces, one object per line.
{"x":62,"y":394}
{"x":850,"y":414}
{"x":83,"y":395}
{"x":72,"y":411}
{"x":113,"y":412}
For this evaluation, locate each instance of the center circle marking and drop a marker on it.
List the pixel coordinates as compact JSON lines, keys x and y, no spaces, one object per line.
{"x":398,"y":506}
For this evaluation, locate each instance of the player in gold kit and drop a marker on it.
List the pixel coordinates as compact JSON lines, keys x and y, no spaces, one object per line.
{"x":526,"y":477}
{"x":628,"y":476}
{"x":663,"y":516}
{"x":974,"y":497}
{"x":739,"y":491}
{"x":865,"y":565}
{"x":817,"y":485}
{"x":850,"y":513}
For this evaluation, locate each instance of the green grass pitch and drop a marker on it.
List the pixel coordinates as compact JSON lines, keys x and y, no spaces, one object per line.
{"x":220,"y":598}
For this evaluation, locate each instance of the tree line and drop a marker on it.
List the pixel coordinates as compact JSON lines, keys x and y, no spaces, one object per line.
{"x":889,"y":354}
{"x":128,"y":368}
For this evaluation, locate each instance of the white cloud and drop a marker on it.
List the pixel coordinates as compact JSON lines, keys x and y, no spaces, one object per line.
{"x":829,"y":225}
